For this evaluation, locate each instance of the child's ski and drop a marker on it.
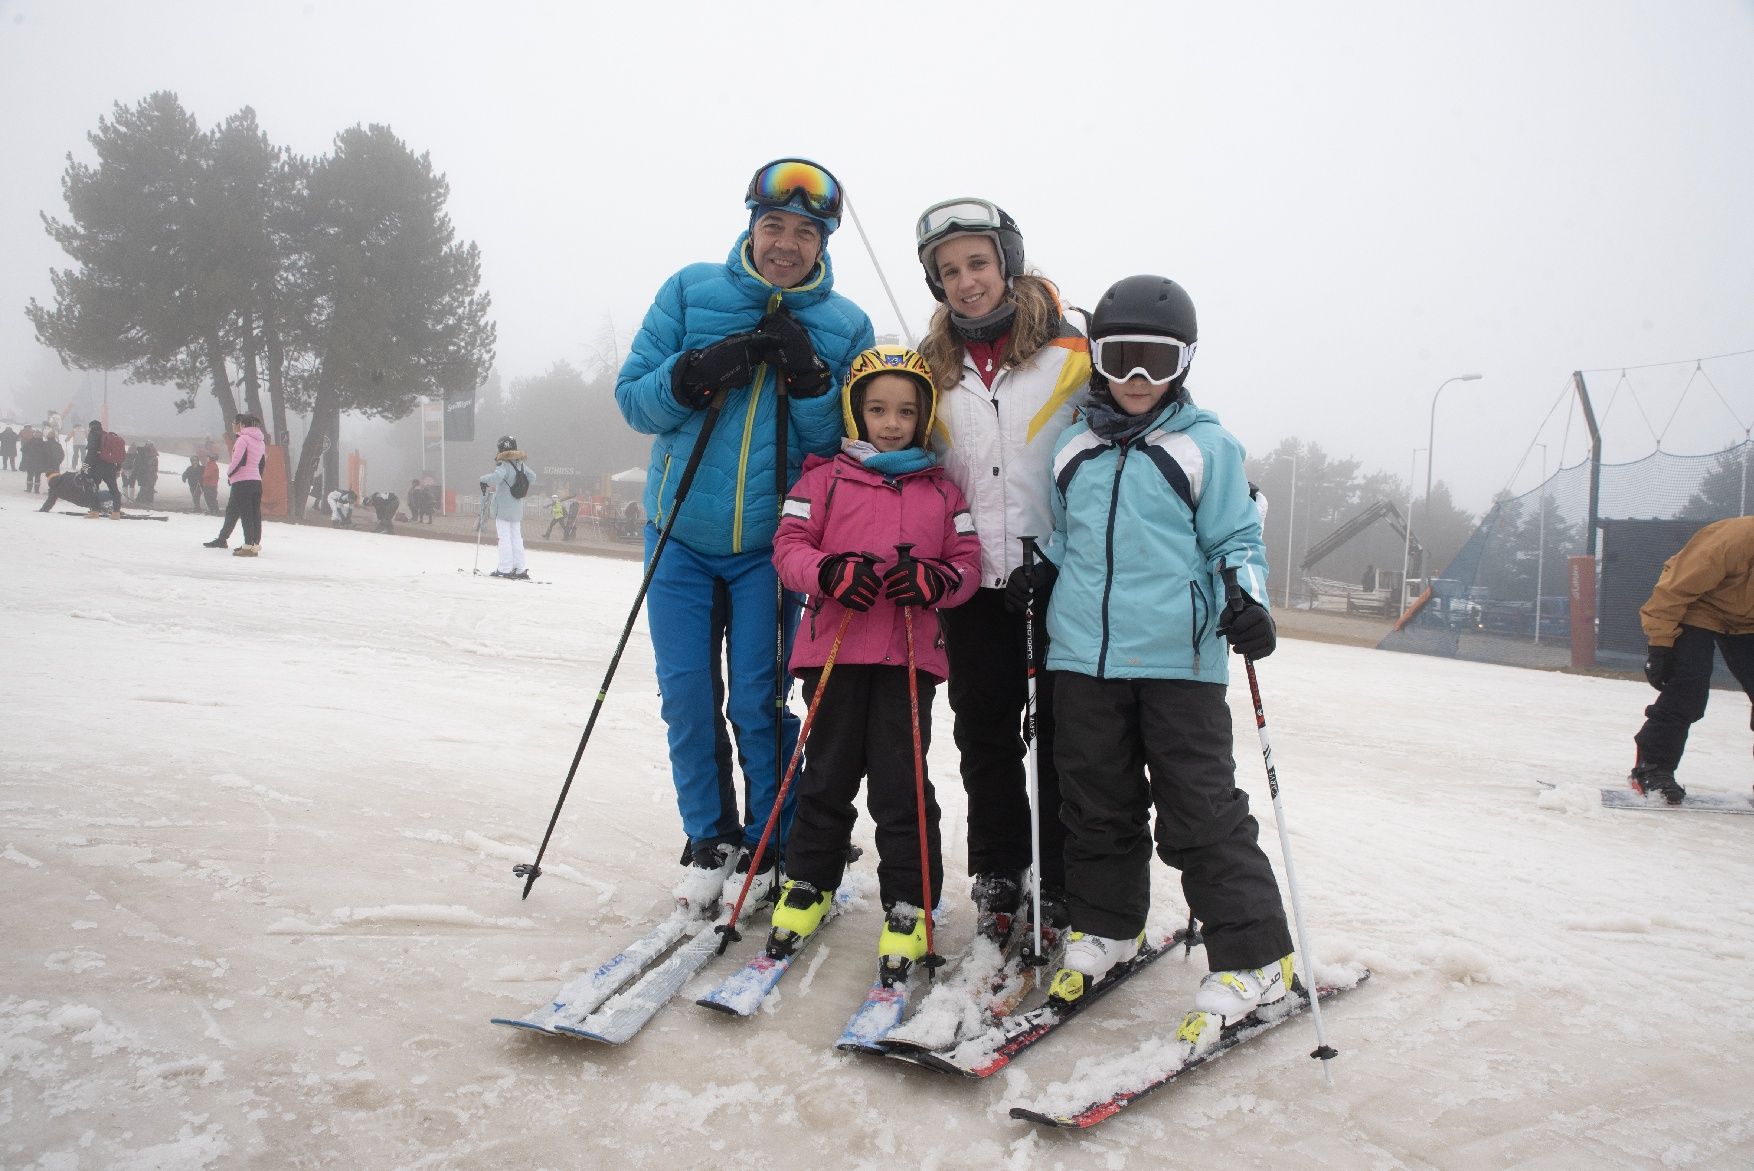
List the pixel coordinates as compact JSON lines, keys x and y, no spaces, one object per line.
{"x":881,"y":1011}
{"x":987,"y":983}
{"x":1168,"y":1061}
{"x":582,"y":995}
{"x":988,"y":1052}
{"x":741,"y":993}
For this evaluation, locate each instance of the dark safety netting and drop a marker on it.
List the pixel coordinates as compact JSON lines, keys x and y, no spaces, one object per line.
{"x":1508,"y":596}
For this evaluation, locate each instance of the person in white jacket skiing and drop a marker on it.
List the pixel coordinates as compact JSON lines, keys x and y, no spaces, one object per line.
{"x":1008,"y":366}
{"x":508,"y":507}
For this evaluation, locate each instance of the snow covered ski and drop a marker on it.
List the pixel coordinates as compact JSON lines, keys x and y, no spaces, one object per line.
{"x":1160,"y":1062}
{"x":741,"y":993}
{"x":582,"y":995}
{"x":986,"y":1053}
{"x":985,"y":984}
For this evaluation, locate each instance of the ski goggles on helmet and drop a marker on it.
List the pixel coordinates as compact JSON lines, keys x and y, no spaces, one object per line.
{"x":797,"y":183}
{"x":1157,"y":358}
{"x":962,"y":215}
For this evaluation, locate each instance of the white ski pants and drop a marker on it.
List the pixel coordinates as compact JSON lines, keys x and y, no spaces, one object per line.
{"x":511,"y":544}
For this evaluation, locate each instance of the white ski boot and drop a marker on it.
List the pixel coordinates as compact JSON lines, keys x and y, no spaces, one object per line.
{"x":703,"y":878}
{"x":1088,"y":958}
{"x":761,"y":887}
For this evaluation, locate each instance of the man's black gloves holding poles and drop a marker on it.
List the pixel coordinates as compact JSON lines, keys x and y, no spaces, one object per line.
{"x":1041,"y":574}
{"x":778,"y":340}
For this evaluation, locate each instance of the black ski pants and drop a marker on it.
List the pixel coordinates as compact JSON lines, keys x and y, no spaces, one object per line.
{"x":1681,"y":702}
{"x":863,"y":729}
{"x":105,"y":474}
{"x":245,"y":504}
{"x":988,"y":693}
{"x":1126,"y":746}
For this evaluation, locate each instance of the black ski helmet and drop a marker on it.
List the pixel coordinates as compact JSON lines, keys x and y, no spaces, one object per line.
{"x":1146,"y":304}
{"x":507,"y":443}
{"x":967,"y":217}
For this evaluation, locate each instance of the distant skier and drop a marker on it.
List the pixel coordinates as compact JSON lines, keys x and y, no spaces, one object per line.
{"x":249,"y":454}
{"x":883,"y":488}
{"x":508,"y":507}
{"x":75,"y":489}
{"x":104,"y":453}
{"x":556,"y":516}
{"x":1136,"y":645}
{"x":1704,"y":598}
{"x":8,"y":449}
{"x":192,"y":478}
{"x":341,"y":508}
{"x":385,"y":505}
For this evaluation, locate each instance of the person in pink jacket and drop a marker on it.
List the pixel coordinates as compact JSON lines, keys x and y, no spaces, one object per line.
{"x":244,"y":474}
{"x":840,"y":539}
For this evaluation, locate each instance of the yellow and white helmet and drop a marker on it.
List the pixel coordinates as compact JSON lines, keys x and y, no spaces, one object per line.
{"x":888,"y":360}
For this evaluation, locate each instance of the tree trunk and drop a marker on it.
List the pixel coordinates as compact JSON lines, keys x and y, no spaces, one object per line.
{"x":228,"y":403}
{"x":325,"y":411}
{"x":252,"y":380}
{"x":281,"y":435}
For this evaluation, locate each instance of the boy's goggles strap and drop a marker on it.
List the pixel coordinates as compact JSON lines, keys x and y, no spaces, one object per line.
{"x":784,"y":181}
{"x":1158,"y":359}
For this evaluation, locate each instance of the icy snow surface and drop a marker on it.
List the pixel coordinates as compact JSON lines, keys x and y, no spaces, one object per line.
{"x":257,"y":821}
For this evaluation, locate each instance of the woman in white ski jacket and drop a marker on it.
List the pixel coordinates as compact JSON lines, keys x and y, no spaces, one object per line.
{"x":1008,"y":366}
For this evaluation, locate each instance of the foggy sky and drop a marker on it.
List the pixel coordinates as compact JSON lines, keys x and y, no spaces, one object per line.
{"x":1363,"y":199}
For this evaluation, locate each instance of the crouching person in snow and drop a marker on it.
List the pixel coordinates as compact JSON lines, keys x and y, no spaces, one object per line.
{"x":839,"y":540}
{"x":1136,"y":645}
{"x":736,"y":339}
{"x":508,"y":507}
{"x":1704,"y":598}
{"x":76,"y":489}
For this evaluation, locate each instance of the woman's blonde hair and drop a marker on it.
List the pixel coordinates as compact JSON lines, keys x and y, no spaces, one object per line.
{"x":1037,"y":323}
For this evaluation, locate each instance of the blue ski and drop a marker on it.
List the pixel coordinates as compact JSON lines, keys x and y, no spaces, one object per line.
{"x":584,"y":993}
{"x":741,"y":993}
{"x":882,"y":1011}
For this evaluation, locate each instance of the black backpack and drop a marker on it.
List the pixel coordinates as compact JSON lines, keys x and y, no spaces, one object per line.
{"x":520,"y":482}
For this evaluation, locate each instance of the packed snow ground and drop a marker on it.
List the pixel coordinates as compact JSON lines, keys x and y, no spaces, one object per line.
{"x":258,"y":818}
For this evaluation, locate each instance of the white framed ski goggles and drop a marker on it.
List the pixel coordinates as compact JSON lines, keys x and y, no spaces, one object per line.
{"x":965,"y":214}
{"x":1156,"y":358}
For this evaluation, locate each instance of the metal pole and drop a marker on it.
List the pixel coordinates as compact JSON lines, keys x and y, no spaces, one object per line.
{"x":1541,"y":543}
{"x":1290,"y":527}
{"x":1431,"y":445}
{"x":1407,"y":549}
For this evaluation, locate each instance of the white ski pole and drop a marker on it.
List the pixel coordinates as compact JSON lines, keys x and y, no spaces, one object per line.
{"x":1324,"y":1052}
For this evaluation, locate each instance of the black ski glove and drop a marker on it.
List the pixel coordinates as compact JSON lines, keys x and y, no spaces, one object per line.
{"x":789,"y":346}
{"x":702,"y":373}
{"x":917,"y":581}
{"x":1044,"y":573}
{"x":849,"y":579}
{"x":1659,"y":665}
{"x":1249,"y":628}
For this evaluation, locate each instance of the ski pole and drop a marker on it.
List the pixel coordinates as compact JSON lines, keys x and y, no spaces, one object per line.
{"x":904,"y":553}
{"x":480,"y":520}
{"x":781,"y":466}
{"x":728,"y":929}
{"x":531,"y":871}
{"x":1036,"y":958}
{"x":1324,"y":1052}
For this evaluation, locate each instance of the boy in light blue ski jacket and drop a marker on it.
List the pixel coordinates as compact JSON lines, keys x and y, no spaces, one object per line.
{"x":1152,"y":512}
{"x":1141,"y":530}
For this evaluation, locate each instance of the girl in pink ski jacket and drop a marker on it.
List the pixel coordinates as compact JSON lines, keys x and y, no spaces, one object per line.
{"x":840,"y":540}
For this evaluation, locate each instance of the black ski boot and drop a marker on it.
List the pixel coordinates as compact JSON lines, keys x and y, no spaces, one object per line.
{"x":1654,"y":780}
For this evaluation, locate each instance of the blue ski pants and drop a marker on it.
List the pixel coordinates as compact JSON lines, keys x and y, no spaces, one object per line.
{"x":680,"y":613}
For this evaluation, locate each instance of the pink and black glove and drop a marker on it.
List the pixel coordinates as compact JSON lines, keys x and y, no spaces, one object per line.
{"x":849,"y":579}
{"x":918,"y":581}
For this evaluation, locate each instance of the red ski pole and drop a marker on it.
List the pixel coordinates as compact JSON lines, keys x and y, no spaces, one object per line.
{"x":904,"y":553}
{"x":728,"y":929}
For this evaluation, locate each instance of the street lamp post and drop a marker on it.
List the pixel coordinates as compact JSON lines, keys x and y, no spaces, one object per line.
{"x":1290,"y":525}
{"x":1541,"y":542}
{"x":1431,"y":443}
{"x":1407,"y":548}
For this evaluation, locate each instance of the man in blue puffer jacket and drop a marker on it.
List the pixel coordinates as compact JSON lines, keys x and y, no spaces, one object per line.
{"x":719,"y":347}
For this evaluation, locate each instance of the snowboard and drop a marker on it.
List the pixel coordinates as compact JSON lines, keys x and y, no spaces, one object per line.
{"x":1695,"y":802}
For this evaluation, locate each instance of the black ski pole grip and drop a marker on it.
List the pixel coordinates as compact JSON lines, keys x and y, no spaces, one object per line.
{"x":1232,"y":591}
